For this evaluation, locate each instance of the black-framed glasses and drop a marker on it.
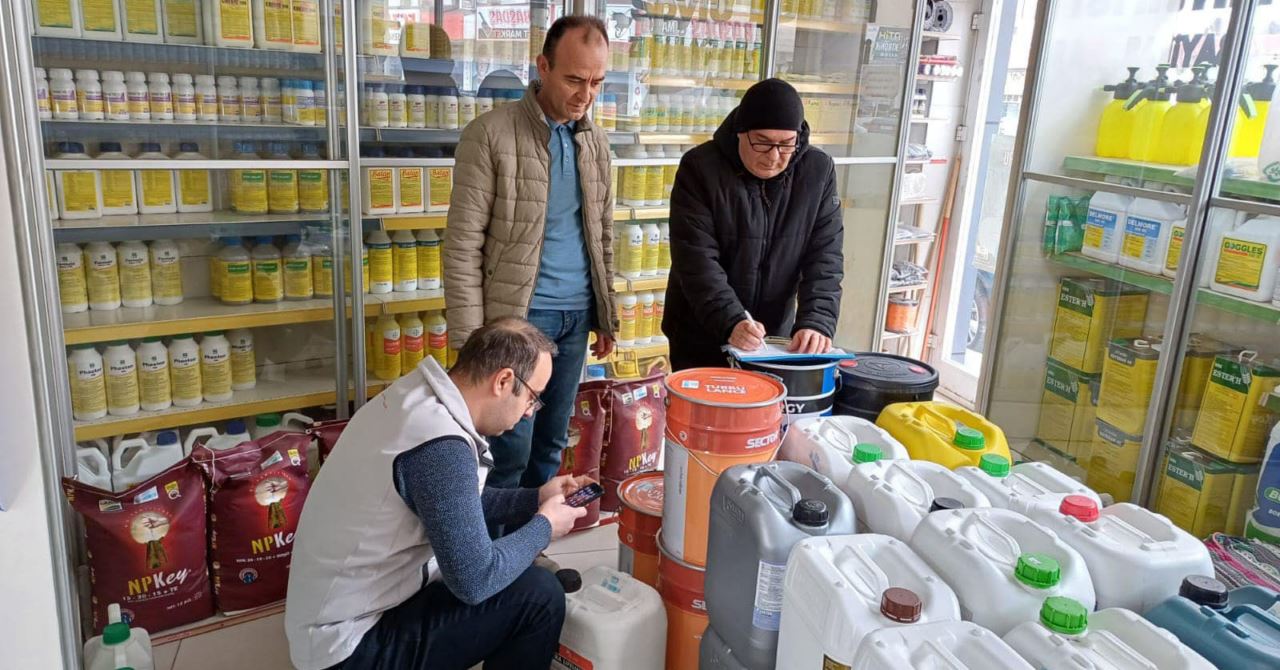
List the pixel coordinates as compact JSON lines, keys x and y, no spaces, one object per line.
{"x":537,"y":397}
{"x":766,"y":147}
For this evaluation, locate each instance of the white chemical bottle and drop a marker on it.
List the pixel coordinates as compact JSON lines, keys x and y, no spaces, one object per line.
{"x":306,"y":26}
{"x":62,"y":94}
{"x":664,"y":248}
{"x":1247,"y":260}
{"x":79,"y":191}
{"x":122,"y":379}
{"x":166,"y":272}
{"x":236,"y":287}
{"x":250,"y":100}
{"x":229,"y":23}
{"x":449,"y":113}
{"x":135,"y":274}
{"x":100,"y":20}
{"x":404,"y":261}
{"x":56,"y":18}
{"x":273,"y":24}
{"x":1104,"y":226}
{"x":184,"y":371}
{"x":652,"y":244}
{"x":142,"y":21}
{"x":377,"y":29}
{"x":183,"y":22}
{"x":157,"y":193}
{"x":195,"y":187}
{"x":377,"y":106}
{"x":44,"y":102}
{"x":115,"y":96}
{"x":89,"y":96}
{"x":206,"y":99}
{"x":184,"y":99}
{"x":228,"y":100}
{"x":88,"y":383}
{"x":381,"y":267}
{"x":119,"y":646}
{"x":632,"y":261}
{"x":282,"y":184}
{"x":416,"y":100}
{"x":429,"y":266}
{"x":397,"y":107}
{"x":153,"y":375}
{"x":215,"y":367}
{"x":271,"y":100}
{"x":103,"y":276}
{"x":268,"y":275}
{"x":72,"y":292}
{"x":139,"y":96}
{"x":298,"y":279}
{"x":244,"y":366}
{"x":119,"y":187}
{"x":160,"y":96}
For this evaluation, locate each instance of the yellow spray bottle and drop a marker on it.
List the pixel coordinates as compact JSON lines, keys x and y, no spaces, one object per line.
{"x":1151,"y":104}
{"x":1182,"y":135}
{"x":1251,"y":116}
{"x":1115,"y":127}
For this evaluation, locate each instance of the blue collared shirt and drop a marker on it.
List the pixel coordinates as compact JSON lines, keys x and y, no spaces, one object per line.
{"x":564,"y":275}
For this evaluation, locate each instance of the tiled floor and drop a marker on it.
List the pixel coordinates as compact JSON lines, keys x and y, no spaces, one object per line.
{"x":261,"y":644}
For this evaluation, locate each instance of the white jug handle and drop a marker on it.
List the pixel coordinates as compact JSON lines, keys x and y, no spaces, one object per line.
{"x":129,"y":446}
{"x":195,"y":434}
{"x":845,"y":438}
{"x":1141,"y":537}
{"x":101,"y":445}
{"x":943,"y":658}
{"x":980,"y":525}
{"x":93,"y":460}
{"x":924,"y":492}
{"x":302,"y":420}
{"x":862,"y":573}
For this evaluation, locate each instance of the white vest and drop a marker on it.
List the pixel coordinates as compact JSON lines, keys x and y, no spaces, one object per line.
{"x":359,"y":549}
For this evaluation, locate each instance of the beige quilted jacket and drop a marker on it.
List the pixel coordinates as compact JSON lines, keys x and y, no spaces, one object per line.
{"x":498,"y":212}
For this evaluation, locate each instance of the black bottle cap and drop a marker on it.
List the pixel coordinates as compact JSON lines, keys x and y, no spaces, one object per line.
{"x":1205,"y":591}
{"x":810,"y":512}
{"x":945,"y":503}
{"x":570,"y":579}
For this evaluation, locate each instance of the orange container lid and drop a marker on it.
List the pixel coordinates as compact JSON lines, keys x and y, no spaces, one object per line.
{"x":725,"y":387}
{"x":642,"y":494}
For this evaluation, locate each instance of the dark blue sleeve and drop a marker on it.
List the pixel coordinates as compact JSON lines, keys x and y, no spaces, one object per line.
{"x":509,"y":506}
{"x":439,"y":483}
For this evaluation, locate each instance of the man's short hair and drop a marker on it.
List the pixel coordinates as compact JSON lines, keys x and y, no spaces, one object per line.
{"x":566,"y":23}
{"x":509,"y":342}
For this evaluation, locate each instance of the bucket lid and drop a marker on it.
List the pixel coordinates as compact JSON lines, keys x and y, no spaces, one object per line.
{"x":994,"y":465}
{"x":889,"y":372}
{"x":866,"y":452}
{"x":969,"y":439}
{"x":810,"y":512}
{"x":1080,"y":507}
{"x":643,"y":493}
{"x":943,"y":503}
{"x":1064,"y":615}
{"x":725,"y":387}
{"x":1039,"y":571}
{"x":900,"y":605}
{"x":1205,"y":591}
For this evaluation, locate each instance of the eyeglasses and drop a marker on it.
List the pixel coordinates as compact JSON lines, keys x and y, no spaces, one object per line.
{"x":536,"y":403}
{"x":766,"y":147}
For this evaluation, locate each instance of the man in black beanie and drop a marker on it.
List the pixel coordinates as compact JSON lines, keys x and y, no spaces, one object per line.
{"x":756,"y":235}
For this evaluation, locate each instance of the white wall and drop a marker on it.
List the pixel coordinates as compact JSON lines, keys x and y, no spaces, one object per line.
{"x":27,"y":612}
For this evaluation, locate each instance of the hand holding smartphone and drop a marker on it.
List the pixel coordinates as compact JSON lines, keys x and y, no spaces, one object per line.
{"x":585,"y":495}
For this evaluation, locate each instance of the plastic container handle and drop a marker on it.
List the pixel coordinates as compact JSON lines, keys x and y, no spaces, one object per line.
{"x":937,"y":421}
{"x":924,"y":492}
{"x":976,"y":526}
{"x":1113,"y":648}
{"x":195,"y":434}
{"x":845,"y":439}
{"x":1142,"y":537}
{"x":118,"y":460}
{"x":94,"y":461}
{"x":771,"y":473}
{"x":862,"y":573}
{"x":940,"y":657}
{"x":302,"y":420}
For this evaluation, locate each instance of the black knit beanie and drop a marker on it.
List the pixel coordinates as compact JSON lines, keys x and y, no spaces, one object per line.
{"x":772,"y":104}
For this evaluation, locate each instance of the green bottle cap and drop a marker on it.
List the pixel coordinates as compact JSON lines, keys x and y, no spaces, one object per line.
{"x":1064,"y":615}
{"x":115,"y":633}
{"x":1038,"y":571}
{"x":267,"y":420}
{"x":994,"y":465}
{"x":867,"y":453}
{"x":969,"y":439}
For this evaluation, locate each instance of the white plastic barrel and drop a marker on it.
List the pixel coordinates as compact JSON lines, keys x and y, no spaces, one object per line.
{"x":891,"y":497}
{"x":1111,"y":639}
{"x":135,"y":460}
{"x":951,"y":645}
{"x":614,"y":622}
{"x":1025,"y":486}
{"x":827,"y":443}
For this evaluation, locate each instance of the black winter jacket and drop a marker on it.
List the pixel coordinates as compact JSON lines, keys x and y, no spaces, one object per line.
{"x":741,"y":244}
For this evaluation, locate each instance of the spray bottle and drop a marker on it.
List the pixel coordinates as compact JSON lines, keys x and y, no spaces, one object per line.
{"x":1116,"y":125}
{"x":1150,"y":105}
{"x":1251,"y":115}
{"x":1182,"y":135}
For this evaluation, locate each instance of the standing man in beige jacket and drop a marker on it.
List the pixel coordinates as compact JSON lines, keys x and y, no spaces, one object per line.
{"x":530,"y":234}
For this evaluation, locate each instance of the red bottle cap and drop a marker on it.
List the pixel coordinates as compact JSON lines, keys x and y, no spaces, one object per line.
{"x":901,"y":605}
{"x":1080,"y":507}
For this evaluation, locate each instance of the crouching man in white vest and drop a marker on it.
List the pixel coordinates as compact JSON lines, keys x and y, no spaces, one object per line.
{"x":392,"y":563}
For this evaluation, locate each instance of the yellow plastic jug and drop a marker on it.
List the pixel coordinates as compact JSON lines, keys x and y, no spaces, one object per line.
{"x":1150,"y":105}
{"x":943,"y":433}
{"x":1182,"y":134}
{"x":1116,"y":124}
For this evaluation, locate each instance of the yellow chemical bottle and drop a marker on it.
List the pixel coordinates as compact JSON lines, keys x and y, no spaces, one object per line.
{"x":321,"y":268}
{"x":943,"y":433}
{"x":248,"y":186}
{"x":1115,"y":127}
{"x":282,"y":185}
{"x":268,"y":273}
{"x":364,"y":270}
{"x":1251,"y":116}
{"x":236,"y":285}
{"x":72,"y":291}
{"x":298,"y":276}
{"x":438,"y":338}
{"x":381,"y":264}
{"x":386,"y":360}
{"x":404,"y":261}
{"x":1182,"y":136}
{"x":313,"y":183}
{"x":413,"y":342}
{"x":1150,"y":105}
{"x":429,"y":269}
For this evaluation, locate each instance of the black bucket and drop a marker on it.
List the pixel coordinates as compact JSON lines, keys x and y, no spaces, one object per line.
{"x":803,"y":377}
{"x":871,"y":381}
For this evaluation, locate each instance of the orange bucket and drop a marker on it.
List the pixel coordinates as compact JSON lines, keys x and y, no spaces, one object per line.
{"x":683,"y":593}
{"x":716,"y":418}
{"x":638,"y":524}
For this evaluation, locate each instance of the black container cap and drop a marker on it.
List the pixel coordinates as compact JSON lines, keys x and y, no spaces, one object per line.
{"x":1124,"y":89}
{"x":1205,"y":591}
{"x":942,"y":503}
{"x":886,"y":371}
{"x":570,"y":579}
{"x":810,"y":512}
{"x":1264,"y":90}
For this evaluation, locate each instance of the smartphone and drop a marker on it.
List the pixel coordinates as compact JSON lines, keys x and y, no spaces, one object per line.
{"x":584,"y":496}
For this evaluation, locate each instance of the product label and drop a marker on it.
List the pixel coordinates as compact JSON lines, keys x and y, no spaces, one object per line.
{"x":64,"y":102}
{"x":413,"y":348}
{"x":71,"y":282}
{"x":194,"y":188}
{"x":278,"y":23}
{"x":157,"y":188}
{"x":438,"y":342}
{"x":380,"y":264}
{"x":306,"y":23}
{"x":568,"y":659}
{"x":249,"y":191}
{"x":117,"y":105}
{"x":135,"y":277}
{"x":405,"y":263}
{"x":88,"y":389}
{"x":767,"y":611}
{"x":1141,"y":239}
{"x":217,"y":271}
{"x":1241,"y":264}
{"x":1174,"y":254}
{"x":141,"y":17}
{"x":184,"y":371}
{"x":140,"y":105}
{"x":243,"y":365}
{"x":381,"y":188}
{"x":122,"y":385}
{"x":440,"y":184}
{"x":627,"y":325}
{"x":829,"y":663}
{"x":98,"y":15}
{"x":117,"y":188}
{"x":236,"y":23}
{"x":282,"y":194}
{"x":429,"y":264}
{"x":237,"y":282}
{"x":322,"y":275}
{"x":1100,"y":229}
{"x":104,"y":279}
{"x":1195,"y":497}
{"x":1127,"y":381}
{"x":207,"y":106}
{"x":180,"y":17}
{"x":79,"y":191}
{"x":1232,"y":424}
{"x":313,"y":190}
{"x":215,"y":373}
{"x":297,"y":277}
{"x":228,"y":107}
{"x":268,"y":283}
{"x":90,"y":103}
{"x":185,"y":105}
{"x":55,"y":13}
{"x":153,"y":378}
{"x":250,"y":108}
{"x":411,"y":189}
{"x":162,"y":105}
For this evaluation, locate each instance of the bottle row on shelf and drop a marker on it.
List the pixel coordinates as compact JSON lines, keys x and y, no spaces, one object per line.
{"x":690,"y":48}
{"x":281,"y":26}
{"x":404,"y":189}
{"x":640,"y":318}
{"x":437,"y":107}
{"x":642,"y":249}
{"x":646,"y":185}
{"x":394,"y":346}
{"x":121,"y":380}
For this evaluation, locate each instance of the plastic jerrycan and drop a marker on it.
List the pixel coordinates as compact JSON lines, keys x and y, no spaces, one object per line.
{"x":119,"y":646}
{"x":612,"y":621}
{"x":92,"y":465}
{"x":1068,"y":636}
{"x":136,"y":460}
{"x":1001,"y":564}
{"x":893,"y":497}
{"x":1136,"y":558}
{"x":840,"y":588}
{"x":827,"y":444}
{"x":1240,"y":629}
{"x":1025,"y":486}
{"x":950,"y":645}
{"x":943,"y":433}
{"x":1182,"y":135}
{"x":759,"y":512}
{"x":236,"y":433}
{"x":1115,"y":126}
{"x":1149,"y":105}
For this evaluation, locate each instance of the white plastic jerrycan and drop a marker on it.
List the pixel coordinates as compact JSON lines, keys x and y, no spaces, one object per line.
{"x":1068,"y":637}
{"x":950,"y":645}
{"x":1001,"y":564}
{"x":891,"y":497}
{"x":92,"y":465}
{"x":1026,"y":486}
{"x":839,"y":588}
{"x":1136,"y":558}
{"x":236,"y":433}
{"x":119,"y":646}
{"x":135,"y":460}
{"x":613,"y":621}
{"x":827,"y":444}
{"x":289,"y":422}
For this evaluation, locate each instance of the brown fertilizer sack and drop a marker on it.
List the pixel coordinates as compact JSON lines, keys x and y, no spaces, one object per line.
{"x":146,"y":548}
{"x":256,"y":492}
{"x":637,"y":417}
{"x":586,"y":437}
